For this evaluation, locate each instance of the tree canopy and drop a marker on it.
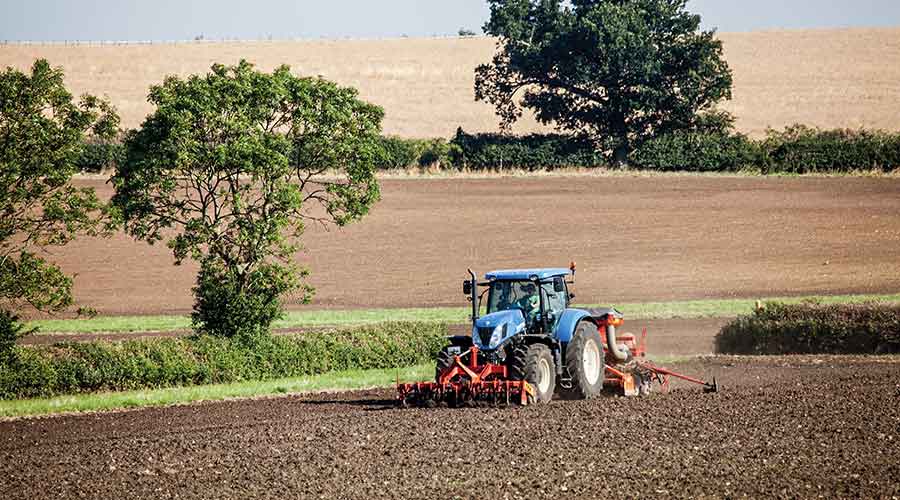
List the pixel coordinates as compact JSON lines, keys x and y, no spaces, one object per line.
{"x":229,"y":169}
{"x":617,"y":71}
{"x":42,"y":132}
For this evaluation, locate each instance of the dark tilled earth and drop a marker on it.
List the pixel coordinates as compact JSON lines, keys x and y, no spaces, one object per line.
{"x":784,"y":427}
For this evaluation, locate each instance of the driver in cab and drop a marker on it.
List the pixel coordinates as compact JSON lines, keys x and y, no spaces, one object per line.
{"x":530,"y":303}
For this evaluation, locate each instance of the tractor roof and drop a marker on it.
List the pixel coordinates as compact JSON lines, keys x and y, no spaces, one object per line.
{"x":527,"y":274}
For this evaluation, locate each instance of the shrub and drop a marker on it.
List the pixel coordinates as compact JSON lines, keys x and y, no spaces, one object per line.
{"x":800,"y":149}
{"x":438,"y":153}
{"x":10,"y":331}
{"x":530,"y":152}
{"x":230,"y":304}
{"x":67,"y":368}
{"x":811,"y":328}
{"x":96,"y":157}
{"x":698,"y":152}
{"x":399,"y":153}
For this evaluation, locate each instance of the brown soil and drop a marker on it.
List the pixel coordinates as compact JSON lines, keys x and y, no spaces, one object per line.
{"x":784,"y":427}
{"x":635,"y":240}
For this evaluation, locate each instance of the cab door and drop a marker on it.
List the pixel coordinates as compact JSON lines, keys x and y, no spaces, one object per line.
{"x":556,"y":302}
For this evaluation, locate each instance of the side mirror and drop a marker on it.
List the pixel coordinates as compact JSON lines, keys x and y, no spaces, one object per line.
{"x":558,"y":285}
{"x":467,"y":287}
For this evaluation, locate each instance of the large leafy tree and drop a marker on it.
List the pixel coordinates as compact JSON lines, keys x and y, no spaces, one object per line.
{"x":229,"y":169}
{"x":42,"y":132}
{"x":617,"y":71}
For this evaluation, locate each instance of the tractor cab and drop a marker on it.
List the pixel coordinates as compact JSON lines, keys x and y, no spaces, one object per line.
{"x":525,"y":301}
{"x":536,"y":301}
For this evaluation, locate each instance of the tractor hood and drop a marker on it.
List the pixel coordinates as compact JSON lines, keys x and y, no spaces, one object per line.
{"x":493,"y":330}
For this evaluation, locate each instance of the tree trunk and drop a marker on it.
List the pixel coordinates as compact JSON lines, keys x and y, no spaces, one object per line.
{"x":620,"y":156}
{"x":620,"y":133}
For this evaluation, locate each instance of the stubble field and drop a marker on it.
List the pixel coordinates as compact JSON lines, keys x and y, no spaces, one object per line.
{"x":824,"y":77}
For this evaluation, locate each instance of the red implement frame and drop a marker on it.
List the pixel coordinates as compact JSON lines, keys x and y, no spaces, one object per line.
{"x":461,"y":382}
{"x":617,"y":377}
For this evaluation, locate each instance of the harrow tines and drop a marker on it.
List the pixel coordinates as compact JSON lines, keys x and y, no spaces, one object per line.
{"x":464,"y":394}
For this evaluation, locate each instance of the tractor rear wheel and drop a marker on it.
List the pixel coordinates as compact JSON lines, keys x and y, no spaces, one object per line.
{"x":585,"y":363}
{"x":534,"y":364}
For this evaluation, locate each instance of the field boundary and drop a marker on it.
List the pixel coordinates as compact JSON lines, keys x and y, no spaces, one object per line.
{"x":692,"y":309}
{"x":426,"y":174}
{"x":172,"y":396}
{"x":331,"y":382}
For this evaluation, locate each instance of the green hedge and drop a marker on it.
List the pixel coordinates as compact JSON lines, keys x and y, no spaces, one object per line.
{"x":800,"y":149}
{"x":810,"y":328}
{"x":99,"y":157}
{"x":67,"y":368}
{"x":698,"y":152}
{"x":400,"y":153}
{"x":530,"y":152}
{"x":795,"y":150}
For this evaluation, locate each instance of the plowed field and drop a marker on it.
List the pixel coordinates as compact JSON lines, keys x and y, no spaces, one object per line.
{"x":797,"y":427}
{"x":636,"y":239}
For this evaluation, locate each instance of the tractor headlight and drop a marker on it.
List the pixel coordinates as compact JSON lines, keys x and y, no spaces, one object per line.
{"x":497,"y":336}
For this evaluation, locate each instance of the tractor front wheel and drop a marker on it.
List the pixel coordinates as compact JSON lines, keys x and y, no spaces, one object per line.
{"x":585,"y":363}
{"x":535,"y":365}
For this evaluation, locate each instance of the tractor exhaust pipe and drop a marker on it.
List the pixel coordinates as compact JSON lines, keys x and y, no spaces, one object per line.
{"x":474,"y":296}
{"x":617,"y":352}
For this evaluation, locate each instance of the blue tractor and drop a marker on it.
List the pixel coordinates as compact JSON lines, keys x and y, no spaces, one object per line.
{"x":531,"y":345}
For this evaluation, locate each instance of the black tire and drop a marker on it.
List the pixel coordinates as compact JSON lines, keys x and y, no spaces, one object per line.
{"x":515,"y":361}
{"x":585,"y":363}
{"x":443,"y":361}
{"x":532,"y":363}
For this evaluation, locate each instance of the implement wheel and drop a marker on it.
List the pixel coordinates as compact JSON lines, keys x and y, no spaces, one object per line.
{"x":585,"y":363}
{"x":535,"y":365}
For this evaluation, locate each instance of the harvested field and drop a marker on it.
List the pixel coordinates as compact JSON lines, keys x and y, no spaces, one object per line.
{"x":822,"y":77}
{"x":640,"y":239}
{"x":785,"y":427}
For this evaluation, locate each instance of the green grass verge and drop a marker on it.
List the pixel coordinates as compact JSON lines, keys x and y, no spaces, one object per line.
{"x":346,"y":380}
{"x":692,"y":309}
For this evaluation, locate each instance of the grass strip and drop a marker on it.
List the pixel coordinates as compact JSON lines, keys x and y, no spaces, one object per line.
{"x":345,"y":380}
{"x":691,"y":309}
{"x":333,"y":381}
